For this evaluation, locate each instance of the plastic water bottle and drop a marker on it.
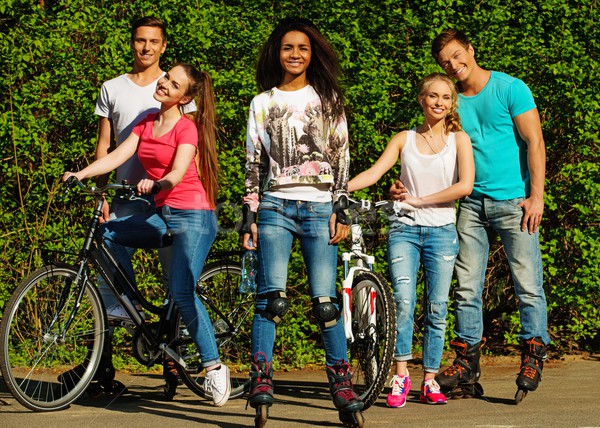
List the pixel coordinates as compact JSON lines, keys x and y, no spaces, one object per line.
{"x":249,"y":263}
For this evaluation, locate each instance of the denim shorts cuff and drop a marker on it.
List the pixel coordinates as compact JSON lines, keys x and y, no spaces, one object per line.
{"x":428,"y":370}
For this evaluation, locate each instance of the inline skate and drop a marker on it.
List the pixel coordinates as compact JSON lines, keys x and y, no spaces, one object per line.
{"x":461,"y":379}
{"x":261,"y":390}
{"x":532,"y":363}
{"x":343,"y":395}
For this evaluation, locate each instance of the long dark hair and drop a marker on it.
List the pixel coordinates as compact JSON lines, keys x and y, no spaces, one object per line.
{"x":322,"y":72}
{"x":201,"y":89}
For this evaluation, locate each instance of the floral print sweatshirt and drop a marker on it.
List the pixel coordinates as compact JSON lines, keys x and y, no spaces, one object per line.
{"x":291,"y":142}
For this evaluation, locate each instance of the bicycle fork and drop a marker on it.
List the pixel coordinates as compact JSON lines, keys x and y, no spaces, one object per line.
{"x":365,"y":297}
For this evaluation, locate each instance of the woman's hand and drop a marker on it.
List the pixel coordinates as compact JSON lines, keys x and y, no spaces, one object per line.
{"x":411,"y":200}
{"x":339,"y":222}
{"x":337,"y":231}
{"x":68,"y":174}
{"x":249,"y":230}
{"x":249,"y":240}
{"x":145,"y":186}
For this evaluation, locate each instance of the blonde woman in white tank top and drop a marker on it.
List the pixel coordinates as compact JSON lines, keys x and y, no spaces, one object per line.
{"x":437,"y":168}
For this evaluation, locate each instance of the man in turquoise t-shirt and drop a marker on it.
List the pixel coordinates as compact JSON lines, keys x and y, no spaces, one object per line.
{"x":499,"y":114}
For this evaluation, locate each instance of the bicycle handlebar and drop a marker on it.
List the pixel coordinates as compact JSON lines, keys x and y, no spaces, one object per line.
{"x":397,"y":207}
{"x":127,"y":191}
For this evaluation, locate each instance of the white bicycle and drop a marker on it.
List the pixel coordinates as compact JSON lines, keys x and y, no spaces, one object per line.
{"x":369,"y":311}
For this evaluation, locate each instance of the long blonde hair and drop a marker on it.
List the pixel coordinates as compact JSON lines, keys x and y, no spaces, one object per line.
{"x":452,"y":119}
{"x":201,"y":88}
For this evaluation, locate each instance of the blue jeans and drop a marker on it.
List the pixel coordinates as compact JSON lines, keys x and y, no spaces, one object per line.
{"x":279,"y":221}
{"x":436,"y":248}
{"x":127,"y":208}
{"x":480,"y":220}
{"x":193,"y":234}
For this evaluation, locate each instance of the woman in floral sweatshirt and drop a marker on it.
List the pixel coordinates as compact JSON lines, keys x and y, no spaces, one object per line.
{"x":296,"y":187}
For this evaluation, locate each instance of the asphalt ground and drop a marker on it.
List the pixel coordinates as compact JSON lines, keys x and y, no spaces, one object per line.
{"x":567,"y":397}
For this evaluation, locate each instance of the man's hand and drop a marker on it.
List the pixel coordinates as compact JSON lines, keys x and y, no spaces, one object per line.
{"x":533,"y":209}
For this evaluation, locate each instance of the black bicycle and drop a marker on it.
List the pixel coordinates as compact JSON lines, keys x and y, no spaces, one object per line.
{"x":55,"y":322}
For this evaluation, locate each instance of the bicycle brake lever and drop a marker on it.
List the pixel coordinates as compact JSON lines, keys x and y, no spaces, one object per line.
{"x":400,"y":206}
{"x":137,"y":198}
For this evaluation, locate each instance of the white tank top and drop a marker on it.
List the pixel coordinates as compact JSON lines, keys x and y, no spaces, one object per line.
{"x":426,"y":174}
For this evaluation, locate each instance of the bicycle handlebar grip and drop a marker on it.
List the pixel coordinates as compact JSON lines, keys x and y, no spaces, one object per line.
{"x":71,"y":182}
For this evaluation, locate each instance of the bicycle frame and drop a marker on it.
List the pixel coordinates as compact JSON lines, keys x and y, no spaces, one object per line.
{"x":97,"y":252}
{"x":363,"y":262}
{"x":360,"y":259}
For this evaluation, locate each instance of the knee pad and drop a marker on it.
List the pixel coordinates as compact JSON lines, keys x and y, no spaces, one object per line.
{"x":325,"y":310}
{"x":277,"y":305}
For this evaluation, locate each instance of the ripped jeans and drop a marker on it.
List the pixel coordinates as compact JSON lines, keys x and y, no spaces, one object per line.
{"x":436,"y":248}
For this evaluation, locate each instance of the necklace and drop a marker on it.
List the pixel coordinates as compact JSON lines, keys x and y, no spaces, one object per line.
{"x":437,"y":149}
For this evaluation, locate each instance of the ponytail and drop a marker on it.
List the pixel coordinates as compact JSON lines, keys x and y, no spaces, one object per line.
{"x":206,"y":156}
{"x":201,"y":88}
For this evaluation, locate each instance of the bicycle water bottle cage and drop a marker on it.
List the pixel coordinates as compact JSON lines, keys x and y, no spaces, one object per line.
{"x":277,"y":305}
{"x":326,"y":310}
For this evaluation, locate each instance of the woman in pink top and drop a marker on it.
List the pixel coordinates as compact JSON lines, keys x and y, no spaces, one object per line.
{"x":179,"y":156}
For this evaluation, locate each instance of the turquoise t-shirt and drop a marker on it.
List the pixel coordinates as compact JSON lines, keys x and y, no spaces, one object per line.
{"x":501,"y":170}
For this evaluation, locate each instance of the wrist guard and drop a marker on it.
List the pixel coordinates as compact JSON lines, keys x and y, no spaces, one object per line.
{"x":340,"y":209}
{"x":248,"y":219}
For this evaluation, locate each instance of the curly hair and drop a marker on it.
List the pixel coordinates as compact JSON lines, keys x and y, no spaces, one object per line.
{"x":452,"y":119}
{"x":322,"y":72}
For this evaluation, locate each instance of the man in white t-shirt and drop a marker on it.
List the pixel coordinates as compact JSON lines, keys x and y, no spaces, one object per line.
{"x":122,"y":103}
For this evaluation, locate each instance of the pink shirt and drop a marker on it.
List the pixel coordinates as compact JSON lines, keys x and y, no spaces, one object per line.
{"x":157,"y":155}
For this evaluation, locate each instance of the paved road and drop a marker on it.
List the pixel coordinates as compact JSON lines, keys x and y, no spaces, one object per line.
{"x":567,"y":397}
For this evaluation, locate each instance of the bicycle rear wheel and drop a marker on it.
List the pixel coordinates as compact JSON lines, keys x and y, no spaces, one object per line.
{"x":374,"y":330}
{"x":36,"y":348}
{"x":231,"y":313}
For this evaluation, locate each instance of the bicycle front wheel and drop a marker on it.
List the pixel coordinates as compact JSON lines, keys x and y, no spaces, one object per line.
{"x":45,"y":364}
{"x":374,"y":330}
{"x":231,"y":313}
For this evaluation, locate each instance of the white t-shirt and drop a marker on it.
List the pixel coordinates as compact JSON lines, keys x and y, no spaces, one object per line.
{"x":427,"y":174}
{"x":127,"y":103}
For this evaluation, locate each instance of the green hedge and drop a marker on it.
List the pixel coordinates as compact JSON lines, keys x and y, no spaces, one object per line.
{"x":56,"y":54}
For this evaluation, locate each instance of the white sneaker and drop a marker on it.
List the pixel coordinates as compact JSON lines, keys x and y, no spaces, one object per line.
{"x":117,"y":312}
{"x":217,"y":384}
